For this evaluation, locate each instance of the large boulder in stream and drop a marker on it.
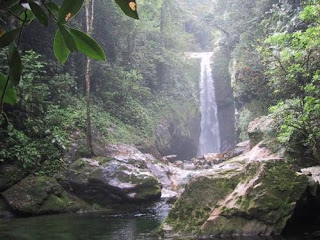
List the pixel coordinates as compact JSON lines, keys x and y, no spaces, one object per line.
{"x":252,"y":194}
{"x":5,"y":211}
{"x":10,"y":173}
{"x":121,"y":177}
{"x":36,"y":195}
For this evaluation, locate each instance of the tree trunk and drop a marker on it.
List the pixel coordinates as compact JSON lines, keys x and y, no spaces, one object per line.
{"x":89,"y":7}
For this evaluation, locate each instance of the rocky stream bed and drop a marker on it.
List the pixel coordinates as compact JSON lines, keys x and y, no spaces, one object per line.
{"x":250,"y":191}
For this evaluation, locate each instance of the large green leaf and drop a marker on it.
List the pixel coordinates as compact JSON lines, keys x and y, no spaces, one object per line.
{"x":60,"y":49}
{"x":69,"y":9}
{"x":39,"y":13}
{"x":15,"y":65}
{"x":129,"y":7}
{"x":16,"y":9}
{"x":9,"y":37}
{"x":27,"y":16}
{"x":68,"y":38}
{"x":10,"y":97}
{"x":54,"y":8}
{"x":87,"y":45}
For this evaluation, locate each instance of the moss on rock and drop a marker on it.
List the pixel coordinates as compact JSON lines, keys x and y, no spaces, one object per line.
{"x":200,"y":197}
{"x":62,"y":203}
{"x":148,"y":190}
{"x":260,"y":204}
{"x":9,"y":175}
{"x":256,"y":200}
{"x":264,"y":129}
{"x":106,"y":181}
{"x":36,"y":195}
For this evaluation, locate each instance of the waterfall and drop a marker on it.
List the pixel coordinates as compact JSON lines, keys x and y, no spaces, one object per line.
{"x":209,"y":140}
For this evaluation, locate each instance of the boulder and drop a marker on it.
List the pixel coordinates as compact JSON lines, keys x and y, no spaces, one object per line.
{"x":4,"y":209}
{"x":264,"y":129}
{"x":125,"y":175}
{"x":201,"y":194}
{"x":36,"y":195}
{"x":259,"y":205}
{"x":189,"y":166}
{"x":10,"y":174}
{"x":253,"y":194}
{"x":313,"y":174}
{"x":306,"y":214}
{"x":250,"y":198}
{"x":239,"y":149}
{"x":128,"y":154}
{"x":162,"y":172}
{"x":178,"y":164}
{"x":200,"y":163}
{"x":214,"y":158}
{"x":113,"y":180}
{"x":169,"y":195}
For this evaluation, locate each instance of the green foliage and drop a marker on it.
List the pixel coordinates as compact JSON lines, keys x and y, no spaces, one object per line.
{"x":124,"y":95}
{"x":27,"y":139}
{"x":300,"y":126}
{"x":27,"y":16}
{"x":39,"y":13}
{"x":9,"y":37}
{"x":39,"y":143}
{"x":60,"y":49}
{"x":311,"y":13}
{"x":87,"y":45}
{"x":293,"y":61}
{"x":68,"y":38}
{"x":64,"y":41}
{"x":68,"y":10}
{"x":15,"y":65}
{"x":11,"y":96}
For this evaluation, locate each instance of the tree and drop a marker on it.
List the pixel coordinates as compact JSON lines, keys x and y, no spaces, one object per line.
{"x":293,"y":61}
{"x":89,"y":7}
{"x":66,"y":40}
{"x":16,"y":15}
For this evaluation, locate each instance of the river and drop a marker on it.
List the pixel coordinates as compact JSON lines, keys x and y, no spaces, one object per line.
{"x":91,"y":226}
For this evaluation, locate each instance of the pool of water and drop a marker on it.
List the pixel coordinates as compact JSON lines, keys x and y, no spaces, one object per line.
{"x":80,"y":226}
{"x":94,"y":226}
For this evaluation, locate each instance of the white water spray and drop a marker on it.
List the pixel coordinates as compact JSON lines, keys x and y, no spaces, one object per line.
{"x":209,"y":141}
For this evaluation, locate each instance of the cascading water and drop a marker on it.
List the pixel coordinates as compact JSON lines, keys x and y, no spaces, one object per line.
{"x":209,"y":141}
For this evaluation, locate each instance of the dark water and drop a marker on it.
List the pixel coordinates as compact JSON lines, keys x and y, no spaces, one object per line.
{"x":80,"y":226}
{"x":98,"y":226}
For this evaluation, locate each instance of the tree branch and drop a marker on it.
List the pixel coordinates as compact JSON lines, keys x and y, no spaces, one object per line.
{"x":280,"y":63}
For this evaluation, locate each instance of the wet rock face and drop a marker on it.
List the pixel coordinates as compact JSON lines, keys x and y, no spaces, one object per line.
{"x":36,"y":195}
{"x":5,"y":211}
{"x":254,"y":198}
{"x":124,"y":176}
{"x":263,"y":129}
{"x":200,"y":196}
{"x":239,"y":149}
{"x":259,"y":205}
{"x":113,"y":180}
{"x":306,"y":214}
{"x":179,"y":138}
{"x":254,"y":193}
{"x":224,"y":97}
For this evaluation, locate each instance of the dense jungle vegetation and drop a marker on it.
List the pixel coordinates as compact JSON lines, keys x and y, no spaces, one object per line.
{"x":146,"y":84}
